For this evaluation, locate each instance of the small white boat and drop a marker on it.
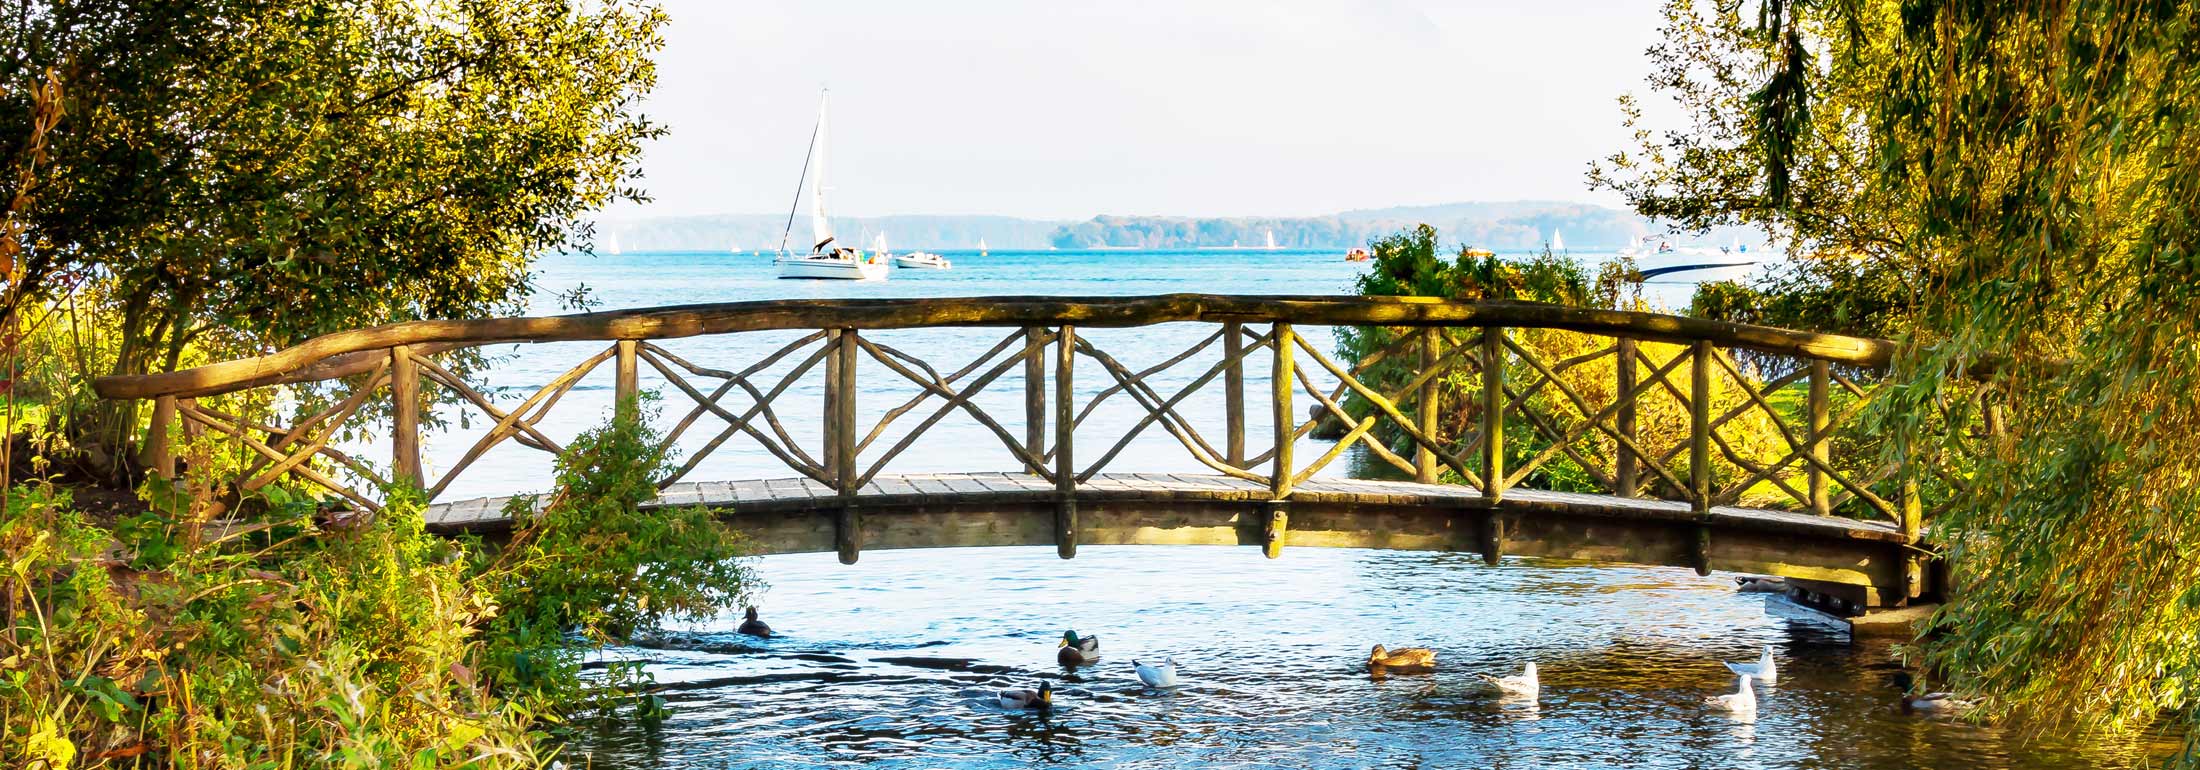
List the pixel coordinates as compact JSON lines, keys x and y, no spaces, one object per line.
{"x":1557,"y":243}
{"x":825,"y":260}
{"x":981,"y":247}
{"x":922,"y":260}
{"x":1271,"y":240}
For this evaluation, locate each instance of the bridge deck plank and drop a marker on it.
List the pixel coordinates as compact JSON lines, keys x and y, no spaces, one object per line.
{"x":951,"y":488}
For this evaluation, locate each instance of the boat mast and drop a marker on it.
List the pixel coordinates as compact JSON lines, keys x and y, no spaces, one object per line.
{"x":802,"y":181}
{"x":821,"y":228}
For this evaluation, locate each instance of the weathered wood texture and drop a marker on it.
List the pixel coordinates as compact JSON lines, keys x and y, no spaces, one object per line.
{"x":1015,"y":509}
{"x":1587,"y":425}
{"x":329,"y":356}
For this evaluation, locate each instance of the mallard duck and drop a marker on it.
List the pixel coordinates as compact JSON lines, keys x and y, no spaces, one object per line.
{"x":1405,"y":657}
{"x":1755,"y":584}
{"x":1042,"y":698}
{"x":1524,"y":684}
{"x":1161,"y":674}
{"x":1742,"y":700}
{"x":754,"y":627}
{"x":1078,"y":650}
{"x":1764,"y":669}
{"x":1933,"y":702}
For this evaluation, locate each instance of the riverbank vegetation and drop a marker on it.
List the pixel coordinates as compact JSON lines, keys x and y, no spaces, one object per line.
{"x":1550,"y":427}
{"x":281,"y":635}
{"x":2006,"y":188}
{"x":186,"y":182}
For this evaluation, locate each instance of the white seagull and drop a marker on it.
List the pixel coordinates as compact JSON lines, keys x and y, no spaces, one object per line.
{"x":1525,"y":684}
{"x":1742,"y":701}
{"x":1157,"y":675}
{"x":1763,"y":670}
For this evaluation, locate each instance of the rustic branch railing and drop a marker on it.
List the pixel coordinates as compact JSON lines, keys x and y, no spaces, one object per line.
{"x":1595,"y":424}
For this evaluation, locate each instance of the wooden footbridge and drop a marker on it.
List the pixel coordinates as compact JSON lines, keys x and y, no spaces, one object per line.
{"x":1684,"y":442}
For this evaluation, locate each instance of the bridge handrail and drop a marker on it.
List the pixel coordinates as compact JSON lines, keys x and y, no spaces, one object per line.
{"x":358,"y":351}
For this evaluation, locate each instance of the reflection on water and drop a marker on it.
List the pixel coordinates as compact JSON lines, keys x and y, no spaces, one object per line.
{"x":894,"y":663}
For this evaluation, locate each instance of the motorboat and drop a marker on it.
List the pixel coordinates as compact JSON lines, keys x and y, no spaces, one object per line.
{"x":922,"y":260}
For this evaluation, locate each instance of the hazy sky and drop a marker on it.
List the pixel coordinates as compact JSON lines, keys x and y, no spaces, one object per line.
{"x":1207,"y":107}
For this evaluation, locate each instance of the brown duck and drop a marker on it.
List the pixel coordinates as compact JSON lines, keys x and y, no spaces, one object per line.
{"x":1402,"y":658}
{"x":754,"y":627}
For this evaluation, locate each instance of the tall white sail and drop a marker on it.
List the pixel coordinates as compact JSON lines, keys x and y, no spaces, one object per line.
{"x":821,"y":228}
{"x":1271,"y":240}
{"x":1557,"y":243}
{"x":879,"y":245}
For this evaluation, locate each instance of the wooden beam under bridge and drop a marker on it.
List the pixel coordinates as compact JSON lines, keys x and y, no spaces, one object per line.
{"x":779,"y":516}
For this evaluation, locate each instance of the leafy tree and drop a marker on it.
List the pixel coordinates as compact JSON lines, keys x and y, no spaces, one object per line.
{"x":2022,"y":172}
{"x":1788,"y":153}
{"x":238,"y":175}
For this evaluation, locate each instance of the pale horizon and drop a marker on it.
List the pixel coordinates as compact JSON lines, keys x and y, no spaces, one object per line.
{"x":1217,"y":109}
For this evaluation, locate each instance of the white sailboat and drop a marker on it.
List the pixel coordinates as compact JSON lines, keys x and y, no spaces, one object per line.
{"x":1558,"y":243}
{"x":611,"y":243}
{"x":981,"y":247}
{"x":826,"y":258}
{"x":1271,"y":240}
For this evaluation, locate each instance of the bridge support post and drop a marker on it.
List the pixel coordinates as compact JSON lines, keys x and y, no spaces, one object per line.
{"x":1065,"y":465}
{"x":1233,"y":392}
{"x":1625,"y":468}
{"x":405,"y":412}
{"x":628,"y":386}
{"x":1272,"y":531}
{"x":157,"y":456}
{"x":1821,"y":425}
{"x":1493,"y":413}
{"x":1492,"y":537}
{"x":1035,"y":398}
{"x":1424,"y":461}
{"x":1699,"y":452}
{"x":1286,"y":423}
{"x":1913,"y":522}
{"x":840,"y":441}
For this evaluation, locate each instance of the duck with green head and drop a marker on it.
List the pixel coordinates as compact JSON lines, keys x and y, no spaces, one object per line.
{"x":1041,"y":699}
{"x":1078,"y":650}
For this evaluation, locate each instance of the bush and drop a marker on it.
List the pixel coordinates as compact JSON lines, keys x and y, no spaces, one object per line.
{"x":286,"y":638}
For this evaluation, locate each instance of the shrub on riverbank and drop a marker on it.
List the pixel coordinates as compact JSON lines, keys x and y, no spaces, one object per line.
{"x":1408,"y":264}
{"x":291,"y":638}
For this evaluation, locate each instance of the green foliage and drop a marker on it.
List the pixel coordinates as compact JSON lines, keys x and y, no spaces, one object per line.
{"x":592,"y":564}
{"x":234,"y":175}
{"x":1776,"y":139}
{"x":2004,"y":184}
{"x":1408,"y":264}
{"x":287,"y":638}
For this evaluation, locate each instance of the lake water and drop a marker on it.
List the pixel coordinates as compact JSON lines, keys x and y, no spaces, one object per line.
{"x":892,"y":663}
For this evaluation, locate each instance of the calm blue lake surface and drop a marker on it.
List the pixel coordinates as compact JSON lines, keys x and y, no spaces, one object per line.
{"x":892,"y":663}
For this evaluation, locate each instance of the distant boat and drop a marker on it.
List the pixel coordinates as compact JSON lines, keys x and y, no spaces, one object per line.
{"x":733,"y":248}
{"x":611,"y":243}
{"x":825,"y":259}
{"x":981,"y":247}
{"x":915,"y":260}
{"x":1271,"y":240}
{"x":1558,"y":243}
{"x":1357,"y":254}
